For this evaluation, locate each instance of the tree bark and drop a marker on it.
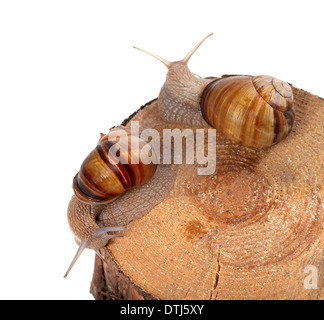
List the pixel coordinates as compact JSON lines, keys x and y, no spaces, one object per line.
{"x":252,"y":230}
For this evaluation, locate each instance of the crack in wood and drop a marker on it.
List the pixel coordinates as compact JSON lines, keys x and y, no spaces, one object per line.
{"x":213,"y":293}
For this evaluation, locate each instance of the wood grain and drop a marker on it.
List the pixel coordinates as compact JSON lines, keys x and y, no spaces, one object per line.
{"x":246,"y":232}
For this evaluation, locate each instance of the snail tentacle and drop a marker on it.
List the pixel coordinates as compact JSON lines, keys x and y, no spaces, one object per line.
{"x":98,"y":232}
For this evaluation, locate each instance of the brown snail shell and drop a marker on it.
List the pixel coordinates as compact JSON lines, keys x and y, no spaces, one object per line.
{"x":252,"y":111}
{"x":103,"y":176}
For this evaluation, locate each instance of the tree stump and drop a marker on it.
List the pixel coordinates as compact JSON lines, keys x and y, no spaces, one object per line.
{"x":252,"y":230}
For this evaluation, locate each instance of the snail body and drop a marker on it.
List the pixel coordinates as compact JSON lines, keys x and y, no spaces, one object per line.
{"x":106,"y":173}
{"x":252,"y":111}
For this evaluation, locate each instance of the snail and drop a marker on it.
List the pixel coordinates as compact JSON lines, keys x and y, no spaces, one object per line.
{"x":106,"y":173}
{"x":252,"y":111}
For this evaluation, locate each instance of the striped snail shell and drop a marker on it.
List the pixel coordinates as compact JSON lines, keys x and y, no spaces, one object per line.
{"x":113,"y":167}
{"x":253,"y":111}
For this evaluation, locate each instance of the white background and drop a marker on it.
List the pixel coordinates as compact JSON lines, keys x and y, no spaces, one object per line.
{"x":68,"y":72}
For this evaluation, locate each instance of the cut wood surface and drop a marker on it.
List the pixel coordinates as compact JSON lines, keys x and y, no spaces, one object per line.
{"x":249,"y":231}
